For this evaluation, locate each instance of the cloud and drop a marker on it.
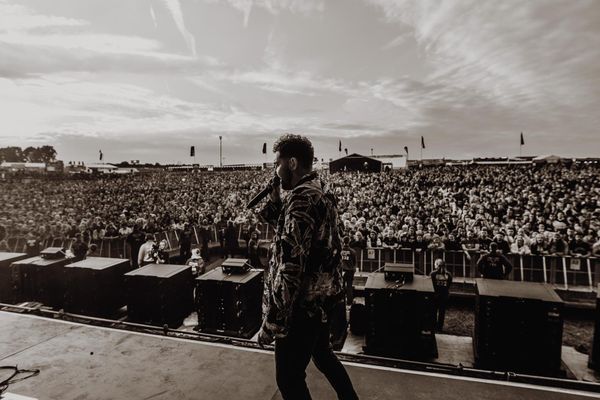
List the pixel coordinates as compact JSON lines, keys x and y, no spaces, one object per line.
{"x":532,"y":54}
{"x":153,"y":16}
{"x":174,"y":8}
{"x":275,"y":7}
{"x":15,"y":17}
{"x":397,"y":41}
{"x":74,"y":107}
{"x":27,"y":48}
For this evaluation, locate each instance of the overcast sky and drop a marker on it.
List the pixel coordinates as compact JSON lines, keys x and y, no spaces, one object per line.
{"x":146,"y":79}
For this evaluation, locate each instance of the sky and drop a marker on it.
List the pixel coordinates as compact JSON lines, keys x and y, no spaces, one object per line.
{"x":146,"y":79}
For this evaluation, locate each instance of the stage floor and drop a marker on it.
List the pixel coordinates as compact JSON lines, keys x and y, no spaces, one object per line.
{"x":85,"y":362}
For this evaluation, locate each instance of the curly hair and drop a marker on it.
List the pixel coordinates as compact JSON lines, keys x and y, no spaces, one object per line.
{"x":290,"y":145}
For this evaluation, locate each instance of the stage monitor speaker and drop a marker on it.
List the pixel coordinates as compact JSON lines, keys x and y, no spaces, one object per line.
{"x":230,"y":304}
{"x":52,"y":253}
{"x":518,"y":327}
{"x":400,"y":318}
{"x":403,"y":272}
{"x":7,"y":282}
{"x":40,"y":279}
{"x":95,"y":286}
{"x":159,"y":294}
{"x":235,"y":266}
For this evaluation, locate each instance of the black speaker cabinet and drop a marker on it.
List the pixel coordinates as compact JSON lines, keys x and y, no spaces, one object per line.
{"x":518,"y":327}
{"x":594,"y":361}
{"x":230,"y":304}
{"x":7,"y":284}
{"x":95,"y":286}
{"x":400,"y":318}
{"x":159,"y":294}
{"x":40,"y":279}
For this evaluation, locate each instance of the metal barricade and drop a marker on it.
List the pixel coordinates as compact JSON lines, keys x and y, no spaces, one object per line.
{"x":456,"y":263}
{"x":578,"y":271}
{"x":172,"y":239}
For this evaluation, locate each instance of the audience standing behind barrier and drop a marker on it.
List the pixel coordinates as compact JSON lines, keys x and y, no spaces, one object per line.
{"x":540,"y":208}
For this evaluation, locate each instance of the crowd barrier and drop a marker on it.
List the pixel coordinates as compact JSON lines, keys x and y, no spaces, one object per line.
{"x":564,"y":271}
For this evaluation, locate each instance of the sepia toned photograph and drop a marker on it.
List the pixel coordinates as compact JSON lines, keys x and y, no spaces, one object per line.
{"x":299,"y":199}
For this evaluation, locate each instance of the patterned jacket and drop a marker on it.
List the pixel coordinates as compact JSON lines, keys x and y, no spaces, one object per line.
{"x":304,"y":268}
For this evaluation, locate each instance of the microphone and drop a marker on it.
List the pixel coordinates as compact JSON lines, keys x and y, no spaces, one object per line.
{"x":264,"y":193}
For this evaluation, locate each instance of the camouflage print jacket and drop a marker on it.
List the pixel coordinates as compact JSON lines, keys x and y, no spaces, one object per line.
{"x":304,"y":268}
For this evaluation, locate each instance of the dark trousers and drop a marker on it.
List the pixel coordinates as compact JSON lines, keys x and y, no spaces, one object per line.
{"x":348,"y":281}
{"x":308,"y":338}
{"x":185,"y":252}
{"x":440,"y":312}
{"x":204,"y":251}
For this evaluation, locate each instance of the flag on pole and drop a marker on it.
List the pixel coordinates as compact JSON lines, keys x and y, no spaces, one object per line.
{"x":340,"y":146}
{"x":101,"y":155}
{"x":192,"y":151}
{"x":264,"y":148}
{"x":422,"y":142}
{"x":406,"y":149}
{"x":522,"y":139}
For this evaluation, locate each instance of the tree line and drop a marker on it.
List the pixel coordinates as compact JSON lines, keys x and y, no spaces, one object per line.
{"x":43,"y":154}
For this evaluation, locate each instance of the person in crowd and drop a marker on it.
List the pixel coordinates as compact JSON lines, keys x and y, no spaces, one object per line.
{"x":185,"y":241}
{"x":519,"y":247}
{"x":596,"y":246}
{"x":32,"y":245}
{"x":441,"y":279}
{"x":145,"y":255}
{"x":4,"y":245}
{"x":452,"y":243}
{"x":135,"y":240}
{"x":196,"y":262}
{"x":254,"y":251}
{"x":373,"y":240}
{"x":231,"y":240}
{"x":348,"y":255}
{"x":558,"y":246}
{"x":420,"y":243}
{"x":160,"y":252}
{"x":93,"y":251}
{"x":502,"y":243}
{"x":358,"y":242}
{"x":484,"y":239}
{"x":494,"y":265}
{"x":79,"y":248}
{"x":578,"y":247}
{"x":389,"y":240}
{"x":470,"y":245}
{"x":204,"y":237}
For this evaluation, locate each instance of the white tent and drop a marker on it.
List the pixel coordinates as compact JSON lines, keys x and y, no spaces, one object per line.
{"x":100,"y":168}
{"x":549,"y":158}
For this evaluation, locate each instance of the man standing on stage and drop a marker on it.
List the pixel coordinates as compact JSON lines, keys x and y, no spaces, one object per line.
{"x":304,"y":279}
{"x":494,"y":265}
{"x":349,"y":267}
{"x":441,"y":279}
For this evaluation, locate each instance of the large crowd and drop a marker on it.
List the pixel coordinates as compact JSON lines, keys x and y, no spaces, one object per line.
{"x":551,"y":209}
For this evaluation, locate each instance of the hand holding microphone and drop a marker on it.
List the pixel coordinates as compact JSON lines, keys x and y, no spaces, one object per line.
{"x":272,"y":190}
